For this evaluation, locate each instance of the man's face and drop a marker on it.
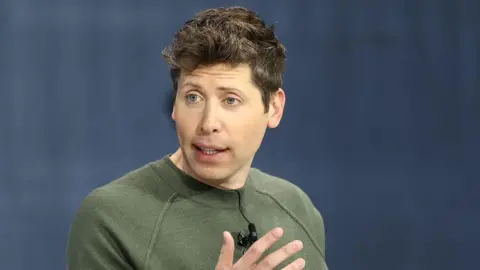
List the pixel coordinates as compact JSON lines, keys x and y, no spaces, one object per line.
{"x":220,"y":121}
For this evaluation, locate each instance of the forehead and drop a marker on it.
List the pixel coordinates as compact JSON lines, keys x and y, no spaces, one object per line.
{"x":219,"y":74}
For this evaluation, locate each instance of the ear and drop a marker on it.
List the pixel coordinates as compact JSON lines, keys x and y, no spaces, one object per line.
{"x":172,"y":101}
{"x":277,"y":105}
{"x":174,"y":117}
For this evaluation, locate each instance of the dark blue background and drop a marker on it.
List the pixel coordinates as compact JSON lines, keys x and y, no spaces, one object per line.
{"x":381,"y":129}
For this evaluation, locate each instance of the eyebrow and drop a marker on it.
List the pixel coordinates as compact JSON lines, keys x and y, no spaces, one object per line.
{"x":223,"y":88}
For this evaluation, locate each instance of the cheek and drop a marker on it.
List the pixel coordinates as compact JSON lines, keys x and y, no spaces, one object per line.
{"x":185,"y":126}
{"x":250,"y":133}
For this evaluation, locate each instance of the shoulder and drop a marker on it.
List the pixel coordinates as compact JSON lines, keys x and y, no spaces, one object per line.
{"x":286,"y":192}
{"x":110,"y":218}
{"x":295,"y":202}
{"x":125,"y":198}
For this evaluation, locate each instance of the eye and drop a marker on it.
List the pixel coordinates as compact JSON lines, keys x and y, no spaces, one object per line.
{"x":231,"y":101}
{"x":192,"y":98}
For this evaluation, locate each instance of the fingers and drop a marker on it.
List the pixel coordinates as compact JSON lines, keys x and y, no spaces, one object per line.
{"x":297,"y":264}
{"x":225,"y":260}
{"x":258,"y":248}
{"x":280,"y":255}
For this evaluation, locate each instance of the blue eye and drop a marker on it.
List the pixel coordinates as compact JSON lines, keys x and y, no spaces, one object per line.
{"x":192,"y":98}
{"x":231,"y":101}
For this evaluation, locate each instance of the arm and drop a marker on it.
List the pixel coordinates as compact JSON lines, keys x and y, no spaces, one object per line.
{"x":92,"y":241}
{"x":318,"y":228}
{"x":315,"y":224}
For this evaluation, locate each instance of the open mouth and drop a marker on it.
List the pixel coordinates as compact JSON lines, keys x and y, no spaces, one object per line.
{"x":209,"y":151}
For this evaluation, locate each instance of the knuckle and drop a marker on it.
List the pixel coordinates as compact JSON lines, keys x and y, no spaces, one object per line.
{"x":256,"y":249}
{"x":268,"y":263}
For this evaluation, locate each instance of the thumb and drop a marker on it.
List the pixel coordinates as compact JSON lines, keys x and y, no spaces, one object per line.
{"x":225,"y":260}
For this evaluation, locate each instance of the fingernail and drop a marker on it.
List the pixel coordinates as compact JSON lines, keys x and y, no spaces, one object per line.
{"x":278,"y":232}
{"x":300,"y":264}
{"x":225,"y":238}
{"x":297,"y":245}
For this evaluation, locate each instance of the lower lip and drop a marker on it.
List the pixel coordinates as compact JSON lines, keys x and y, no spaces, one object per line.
{"x":212,"y":158}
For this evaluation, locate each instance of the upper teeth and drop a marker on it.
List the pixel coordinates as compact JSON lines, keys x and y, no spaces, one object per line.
{"x":209,"y":151}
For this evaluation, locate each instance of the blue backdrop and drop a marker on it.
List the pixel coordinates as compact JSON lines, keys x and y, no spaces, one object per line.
{"x":381,"y":129}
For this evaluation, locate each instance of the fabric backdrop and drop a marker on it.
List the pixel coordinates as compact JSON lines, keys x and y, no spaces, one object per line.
{"x":381,"y":128}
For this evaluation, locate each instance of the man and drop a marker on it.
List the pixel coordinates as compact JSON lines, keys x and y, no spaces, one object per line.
{"x":204,"y":207}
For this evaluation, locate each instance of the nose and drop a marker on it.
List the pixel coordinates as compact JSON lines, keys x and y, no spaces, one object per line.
{"x":210,"y":120}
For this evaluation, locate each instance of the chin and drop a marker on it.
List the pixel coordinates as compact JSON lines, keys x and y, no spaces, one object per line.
{"x":209,"y":173}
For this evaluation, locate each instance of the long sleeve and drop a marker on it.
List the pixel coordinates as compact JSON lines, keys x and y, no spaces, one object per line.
{"x":315,"y":223}
{"x":92,"y":243}
{"x":320,"y":232}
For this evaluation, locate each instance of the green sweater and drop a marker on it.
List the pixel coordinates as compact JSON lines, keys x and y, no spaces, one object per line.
{"x":158,"y":217}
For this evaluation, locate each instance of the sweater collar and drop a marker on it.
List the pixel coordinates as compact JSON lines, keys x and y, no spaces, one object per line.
{"x":191,"y":188}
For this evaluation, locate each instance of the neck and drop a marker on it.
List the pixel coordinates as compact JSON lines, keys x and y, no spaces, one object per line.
{"x":233,"y":182}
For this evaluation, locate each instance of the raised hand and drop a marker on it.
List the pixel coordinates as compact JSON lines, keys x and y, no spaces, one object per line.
{"x":250,"y":259}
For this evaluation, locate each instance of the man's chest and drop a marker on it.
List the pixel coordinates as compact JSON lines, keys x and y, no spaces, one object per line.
{"x":193,"y":241}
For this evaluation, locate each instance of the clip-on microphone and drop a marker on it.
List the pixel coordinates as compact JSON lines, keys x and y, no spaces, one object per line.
{"x":248,"y":240}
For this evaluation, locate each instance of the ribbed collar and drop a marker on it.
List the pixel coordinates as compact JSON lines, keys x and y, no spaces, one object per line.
{"x":197,"y":191}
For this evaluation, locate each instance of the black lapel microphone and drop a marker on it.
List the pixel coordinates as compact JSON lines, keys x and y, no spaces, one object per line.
{"x":252,"y":236}
{"x":246,"y":240}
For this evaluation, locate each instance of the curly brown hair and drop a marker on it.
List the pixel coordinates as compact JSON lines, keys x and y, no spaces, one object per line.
{"x":233,"y":36}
